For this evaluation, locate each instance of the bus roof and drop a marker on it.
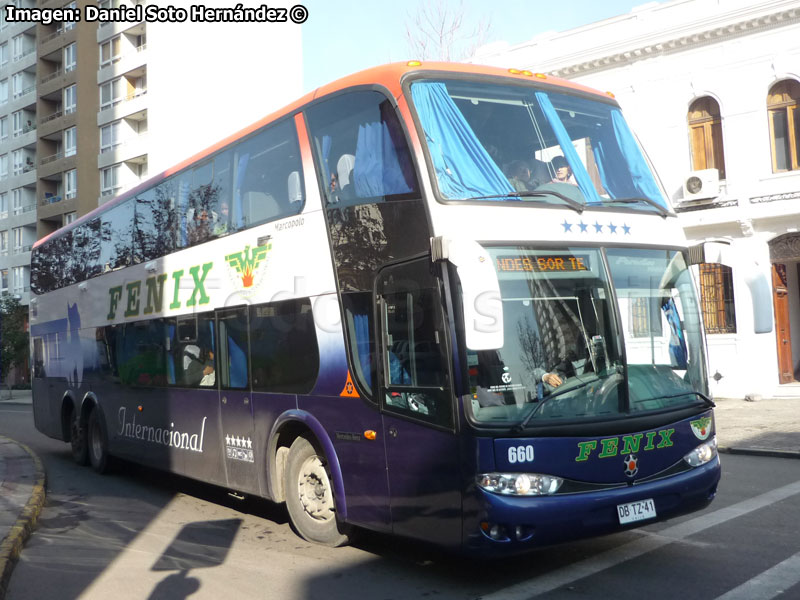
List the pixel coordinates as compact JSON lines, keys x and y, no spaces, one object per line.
{"x":389,"y":76}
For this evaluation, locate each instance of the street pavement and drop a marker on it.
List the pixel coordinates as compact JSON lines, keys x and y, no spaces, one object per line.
{"x":768,"y":427}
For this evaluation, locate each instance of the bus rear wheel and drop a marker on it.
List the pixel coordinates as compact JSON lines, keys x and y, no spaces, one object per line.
{"x":77,"y":440}
{"x":97,"y":441}
{"x":309,"y":496}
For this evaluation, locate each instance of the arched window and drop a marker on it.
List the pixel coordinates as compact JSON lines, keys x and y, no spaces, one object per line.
{"x":784,"y":125}
{"x":705,"y":133}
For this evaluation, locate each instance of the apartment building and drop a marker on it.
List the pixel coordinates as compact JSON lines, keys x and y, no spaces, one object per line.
{"x":712,"y":87}
{"x":88,"y":110}
{"x":18,"y":140}
{"x":66,"y":108}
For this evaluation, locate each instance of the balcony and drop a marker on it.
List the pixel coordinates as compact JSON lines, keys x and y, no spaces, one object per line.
{"x":132,"y":60}
{"x":122,"y":107}
{"x":49,"y":198}
{"x":55,"y":74}
{"x":51,"y":158}
{"x":21,"y":210}
{"x":24,"y":55}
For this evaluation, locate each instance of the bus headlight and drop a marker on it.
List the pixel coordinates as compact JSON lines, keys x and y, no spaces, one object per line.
{"x":702,"y":454}
{"x":519,"y":484}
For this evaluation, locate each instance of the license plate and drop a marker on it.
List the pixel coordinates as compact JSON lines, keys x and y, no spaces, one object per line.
{"x":636,"y":511}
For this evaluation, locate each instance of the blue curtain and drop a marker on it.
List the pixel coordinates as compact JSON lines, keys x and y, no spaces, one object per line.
{"x":361,"y":326}
{"x":579,"y":172}
{"x":241,"y":169}
{"x":623,"y":169}
{"x":677,"y":343}
{"x":238,"y":364}
{"x":463,"y":167}
{"x":170,"y":357}
{"x":326,"y":154}
{"x":377,"y":170}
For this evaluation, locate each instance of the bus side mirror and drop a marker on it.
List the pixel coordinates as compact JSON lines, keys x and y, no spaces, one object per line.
{"x":481,"y":303}
{"x":722,"y":252}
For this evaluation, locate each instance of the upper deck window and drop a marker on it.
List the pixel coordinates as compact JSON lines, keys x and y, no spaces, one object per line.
{"x":361,"y":149}
{"x":504,"y":142}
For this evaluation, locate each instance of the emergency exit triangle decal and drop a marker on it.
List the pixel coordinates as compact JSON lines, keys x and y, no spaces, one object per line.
{"x":349,"y":390}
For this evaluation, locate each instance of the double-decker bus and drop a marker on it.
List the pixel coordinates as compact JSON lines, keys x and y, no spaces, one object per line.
{"x":448,"y":302}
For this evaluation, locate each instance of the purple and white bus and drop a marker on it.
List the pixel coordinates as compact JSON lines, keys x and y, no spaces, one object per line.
{"x":448,"y":302}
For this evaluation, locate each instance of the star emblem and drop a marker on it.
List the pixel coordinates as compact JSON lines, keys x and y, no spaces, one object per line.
{"x":583,"y":226}
{"x":597,"y":227}
{"x":626,"y":229}
{"x":566,"y":226}
{"x":612,"y":228}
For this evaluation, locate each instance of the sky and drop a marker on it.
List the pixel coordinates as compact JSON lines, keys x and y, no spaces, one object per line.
{"x":345,"y":36}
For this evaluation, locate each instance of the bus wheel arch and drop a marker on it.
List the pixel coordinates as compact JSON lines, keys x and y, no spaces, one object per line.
{"x":299,"y":443}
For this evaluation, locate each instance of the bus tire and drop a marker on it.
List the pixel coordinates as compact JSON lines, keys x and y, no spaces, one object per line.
{"x":77,"y":440}
{"x":97,"y":441}
{"x":309,"y":496}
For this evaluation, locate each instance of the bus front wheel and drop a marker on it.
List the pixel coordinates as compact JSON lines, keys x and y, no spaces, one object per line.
{"x":309,"y":496}
{"x":97,"y":441}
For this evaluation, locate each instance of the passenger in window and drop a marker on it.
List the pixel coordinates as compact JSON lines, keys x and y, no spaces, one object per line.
{"x":200,"y":228}
{"x":209,"y":375}
{"x":222,"y":219}
{"x":192,"y":364}
{"x":563,"y":174}
{"x":520,"y":176}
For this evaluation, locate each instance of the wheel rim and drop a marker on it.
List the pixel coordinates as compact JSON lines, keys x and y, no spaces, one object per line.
{"x":96,"y":441}
{"x":315,"y":490}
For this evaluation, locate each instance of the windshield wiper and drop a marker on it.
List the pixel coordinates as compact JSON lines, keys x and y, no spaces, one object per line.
{"x":706,"y":400}
{"x":550,"y":396}
{"x":576,"y":206}
{"x":662,"y":211}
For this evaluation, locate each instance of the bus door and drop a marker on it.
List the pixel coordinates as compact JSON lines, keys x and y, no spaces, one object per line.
{"x":417,"y":404}
{"x":236,"y":408}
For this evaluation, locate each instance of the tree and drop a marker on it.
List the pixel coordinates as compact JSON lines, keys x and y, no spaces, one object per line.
{"x":441,"y":30}
{"x":13,"y":336}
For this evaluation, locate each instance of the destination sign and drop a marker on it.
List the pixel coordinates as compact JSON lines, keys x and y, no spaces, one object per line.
{"x":539,"y":264}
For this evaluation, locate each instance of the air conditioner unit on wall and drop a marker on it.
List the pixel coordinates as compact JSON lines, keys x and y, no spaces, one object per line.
{"x":701,"y":185}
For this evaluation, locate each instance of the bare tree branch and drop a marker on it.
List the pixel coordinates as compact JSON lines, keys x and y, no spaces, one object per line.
{"x":438,"y":31}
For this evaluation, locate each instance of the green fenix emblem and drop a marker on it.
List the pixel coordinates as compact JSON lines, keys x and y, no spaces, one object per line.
{"x":701,"y":427}
{"x":245,"y":263}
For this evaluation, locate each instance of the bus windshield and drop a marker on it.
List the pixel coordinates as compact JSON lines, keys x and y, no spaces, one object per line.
{"x":490,"y":142}
{"x":570,"y":354}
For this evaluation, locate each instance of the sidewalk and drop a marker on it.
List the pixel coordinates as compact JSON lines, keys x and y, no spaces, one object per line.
{"x":769,"y":427}
{"x":22,"y":492}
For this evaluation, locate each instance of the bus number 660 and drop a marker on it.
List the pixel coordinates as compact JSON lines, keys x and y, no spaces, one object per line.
{"x":520,"y":454}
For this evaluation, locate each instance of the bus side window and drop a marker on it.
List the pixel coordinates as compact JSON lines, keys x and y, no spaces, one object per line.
{"x":283,"y":347}
{"x":362,"y":153}
{"x":264,"y":164}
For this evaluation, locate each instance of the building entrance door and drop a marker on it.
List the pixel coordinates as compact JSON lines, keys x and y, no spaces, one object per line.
{"x":782,"y":330}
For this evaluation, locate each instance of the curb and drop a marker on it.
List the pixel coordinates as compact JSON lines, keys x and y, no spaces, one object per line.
{"x":757,"y":452}
{"x":11,"y":546}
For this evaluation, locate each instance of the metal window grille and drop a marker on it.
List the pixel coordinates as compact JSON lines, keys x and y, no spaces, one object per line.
{"x":716,"y":298}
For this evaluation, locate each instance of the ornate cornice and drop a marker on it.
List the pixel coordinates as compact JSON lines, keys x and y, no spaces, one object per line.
{"x":680,"y":43}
